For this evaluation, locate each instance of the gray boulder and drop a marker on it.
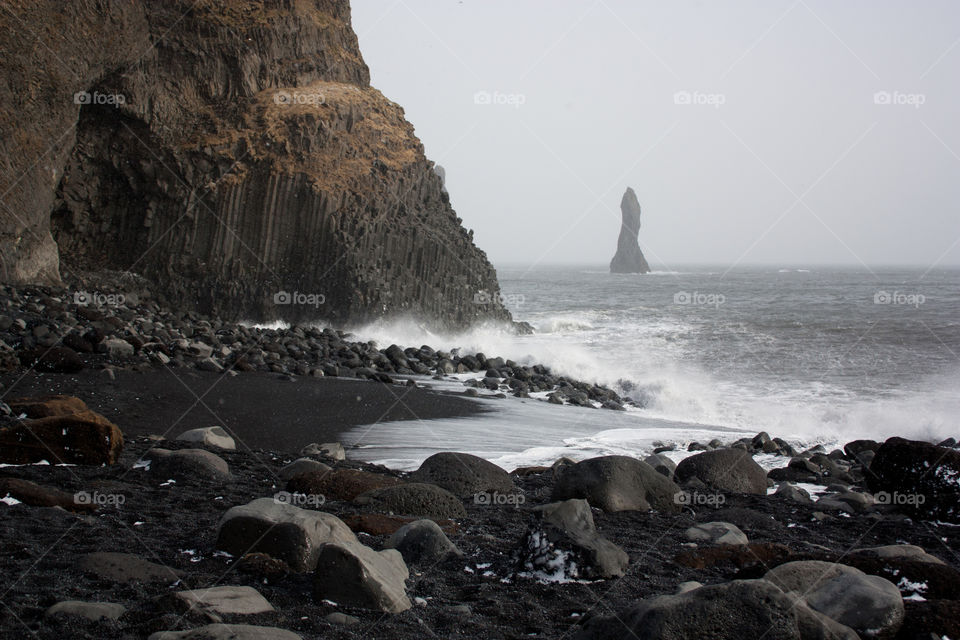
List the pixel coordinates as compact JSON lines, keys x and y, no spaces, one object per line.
{"x":186,"y":464}
{"x":724,"y":470}
{"x":870,"y":605}
{"x":357,"y":576}
{"x":794,"y":493}
{"x":716,"y":533}
{"x":126,"y":568}
{"x":116,"y":348}
{"x":227,"y":632}
{"x":89,"y":610}
{"x":617,"y":483}
{"x":562,"y":543}
{"x":302,"y":465}
{"x":464,"y":475}
{"x":662,"y":463}
{"x":282,"y":531}
{"x":733,"y":610}
{"x":211,"y":436}
{"x":229,"y":600}
{"x":333,"y":450}
{"x":421,"y":541}
{"x":898,"y":551}
{"x":415,"y":499}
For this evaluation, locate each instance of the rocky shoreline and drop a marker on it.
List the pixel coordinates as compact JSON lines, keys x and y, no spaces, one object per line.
{"x":211,"y":534}
{"x":320,"y":546}
{"x":63,"y":331}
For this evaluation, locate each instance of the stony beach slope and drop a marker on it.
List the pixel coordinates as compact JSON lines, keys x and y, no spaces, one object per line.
{"x":125,"y":514}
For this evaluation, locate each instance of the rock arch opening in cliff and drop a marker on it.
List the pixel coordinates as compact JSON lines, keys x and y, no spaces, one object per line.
{"x":113,"y":185}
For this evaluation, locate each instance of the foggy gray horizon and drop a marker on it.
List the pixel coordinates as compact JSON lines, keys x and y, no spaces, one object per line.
{"x":789,"y":133}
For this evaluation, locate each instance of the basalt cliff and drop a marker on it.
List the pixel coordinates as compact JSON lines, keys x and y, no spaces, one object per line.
{"x":629,"y":258}
{"x":231,"y":152}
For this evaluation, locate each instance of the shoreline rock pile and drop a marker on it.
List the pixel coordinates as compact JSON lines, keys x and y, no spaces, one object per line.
{"x":47,"y":330}
{"x":192,"y":538}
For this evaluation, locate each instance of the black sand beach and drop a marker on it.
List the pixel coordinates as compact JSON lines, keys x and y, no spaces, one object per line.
{"x":261,"y":410}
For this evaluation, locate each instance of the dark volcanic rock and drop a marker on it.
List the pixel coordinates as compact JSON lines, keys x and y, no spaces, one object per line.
{"x":464,"y":475}
{"x":241,"y":163}
{"x":618,"y":483}
{"x":738,"y":609}
{"x":724,"y":469}
{"x":53,"y":360}
{"x":629,"y":258}
{"x":421,"y":541}
{"x":358,"y":576}
{"x":339,"y":484}
{"x":562,"y":543}
{"x":870,"y":605}
{"x":920,"y":478}
{"x":125,"y":568}
{"x":38,"y":496}
{"x":281,"y":531}
{"x":933,"y":619}
{"x":416,"y":499}
{"x":186,"y":464}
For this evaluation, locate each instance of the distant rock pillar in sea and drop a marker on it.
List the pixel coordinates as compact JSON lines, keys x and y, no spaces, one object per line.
{"x":629,"y":258}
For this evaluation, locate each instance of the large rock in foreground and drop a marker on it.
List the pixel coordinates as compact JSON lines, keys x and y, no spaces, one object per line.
{"x":618,"y":483}
{"x":918,"y":477}
{"x":464,"y":475}
{"x":241,"y":162}
{"x":725,"y":470}
{"x":60,"y":430}
{"x":415,"y":499}
{"x":629,"y":258}
{"x":870,"y":605}
{"x":734,"y":610}
{"x":282,"y":531}
{"x":422,"y":542}
{"x":186,"y":464}
{"x":562,"y":543}
{"x":357,"y":576}
{"x":227,"y":632}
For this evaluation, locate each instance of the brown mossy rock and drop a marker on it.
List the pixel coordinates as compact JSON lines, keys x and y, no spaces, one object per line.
{"x":762,"y":554}
{"x":931,"y":619}
{"x":379,"y":524}
{"x":339,"y":484}
{"x":64,"y":431}
{"x":413,"y":499}
{"x":52,"y":360}
{"x":46,"y":406}
{"x":264,"y":567}
{"x":39,"y":496}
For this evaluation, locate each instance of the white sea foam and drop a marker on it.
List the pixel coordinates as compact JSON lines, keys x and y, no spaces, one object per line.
{"x":682,"y":401}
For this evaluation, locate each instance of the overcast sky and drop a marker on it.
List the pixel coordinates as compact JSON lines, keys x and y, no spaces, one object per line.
{"x":790,"y":132}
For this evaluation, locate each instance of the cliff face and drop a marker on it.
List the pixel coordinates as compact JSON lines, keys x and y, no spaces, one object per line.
{"x":629,"y":258}
{"x":228,"y":151}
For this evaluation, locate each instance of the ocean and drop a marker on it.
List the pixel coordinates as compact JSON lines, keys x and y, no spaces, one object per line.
{"x":814,"y":355}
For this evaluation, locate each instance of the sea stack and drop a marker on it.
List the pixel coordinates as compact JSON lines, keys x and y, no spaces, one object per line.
{"x":629,"y":258}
